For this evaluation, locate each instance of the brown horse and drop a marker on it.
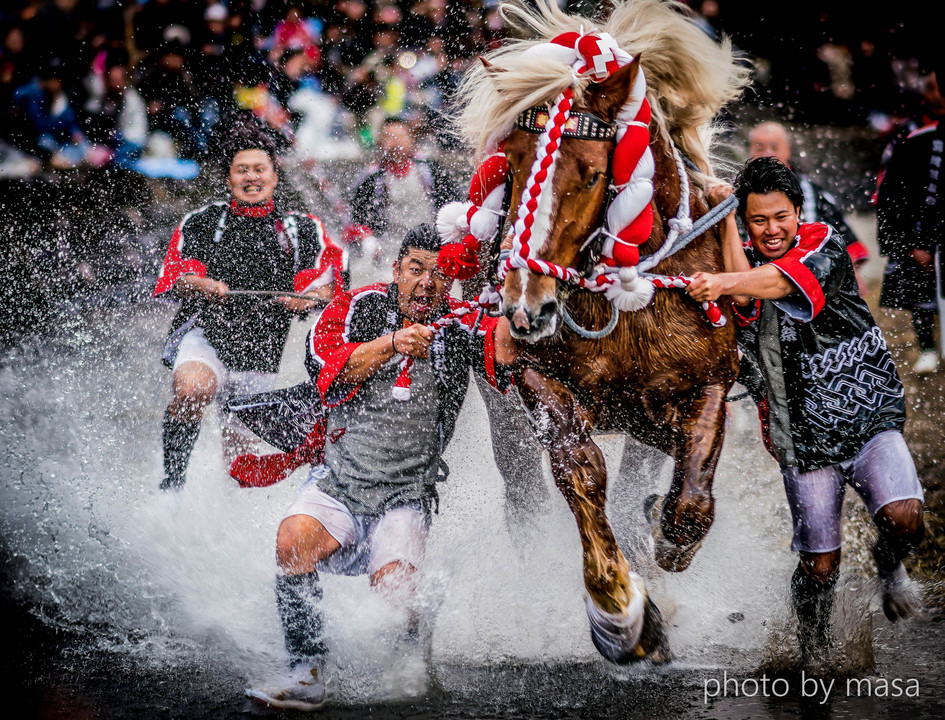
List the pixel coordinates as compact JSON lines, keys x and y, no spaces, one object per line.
{"x":662,"y":374}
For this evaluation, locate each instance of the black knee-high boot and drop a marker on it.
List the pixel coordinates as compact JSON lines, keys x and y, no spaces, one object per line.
{"x":179,"y":438}
{"x":298,"y":597}
{"x":813,"y":603}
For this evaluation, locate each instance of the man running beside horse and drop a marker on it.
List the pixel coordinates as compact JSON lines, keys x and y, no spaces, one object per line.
{"x":229,"y":262}
{"x":831,"y":403}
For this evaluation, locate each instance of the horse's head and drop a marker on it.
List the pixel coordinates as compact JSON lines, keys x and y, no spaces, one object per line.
{"x":570,"y":206}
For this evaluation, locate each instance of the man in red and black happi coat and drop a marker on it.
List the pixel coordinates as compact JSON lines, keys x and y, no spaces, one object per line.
{"x":910,"y":215}
{"x":228,"y":262}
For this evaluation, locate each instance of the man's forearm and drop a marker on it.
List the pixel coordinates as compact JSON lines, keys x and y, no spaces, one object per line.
{"x":764,"y":283}
{"x":733,"y":254}
{"x":506,"y":348}
{"x":367,"y":359}
{"x":192,"y":285}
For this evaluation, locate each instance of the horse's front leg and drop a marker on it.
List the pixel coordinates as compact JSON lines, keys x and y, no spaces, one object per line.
{"x":625,"y":624}
{"x":685,"y":514}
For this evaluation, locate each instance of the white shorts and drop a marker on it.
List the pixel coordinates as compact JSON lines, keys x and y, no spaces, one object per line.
{"x":194,"y":347}
{"x":368,"y":542}
{"x":881,"y":472}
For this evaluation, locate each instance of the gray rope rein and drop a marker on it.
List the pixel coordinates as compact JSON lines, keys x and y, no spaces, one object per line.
{"x":698,"y":227}
{"x":591,"y":334}
{"x":708,"y":220}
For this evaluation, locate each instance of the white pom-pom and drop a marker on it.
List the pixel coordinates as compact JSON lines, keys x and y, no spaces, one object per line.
{"x":451,"y":222}
{"x":400,"y":393}
{"x":484,"y":225}
{"x":632,"y":292}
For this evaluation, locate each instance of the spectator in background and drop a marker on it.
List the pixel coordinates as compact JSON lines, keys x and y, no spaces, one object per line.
{"x":16,"y":66}
{"x":399,"y":193}
{"x":175,"y":105}
{"x":771,"y":139}
{"x":295,"y":31}
{"x":877,"y":95}
{"x":153,"y":18}
{"x":909,"y":212}
{"x":354,"y":30}
{"x":61,"y":31}
{"x":417,"y":28}
{"x":118,"y":114}
{"x":53,"y":131}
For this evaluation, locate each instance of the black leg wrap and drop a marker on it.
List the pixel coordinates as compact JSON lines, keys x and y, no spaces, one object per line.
{"x":813,"y":603}
{"x":297,"y":597}
{"x":923,"y":321}
{"x":179,"y":439}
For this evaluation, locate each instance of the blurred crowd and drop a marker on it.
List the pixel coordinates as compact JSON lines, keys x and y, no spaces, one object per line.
{"x":145,"y":84}
{"x":91,"y":82}
{"x":106,"y":104}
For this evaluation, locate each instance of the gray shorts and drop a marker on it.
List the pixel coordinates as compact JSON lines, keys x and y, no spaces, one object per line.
{"x":368,"y":542}
{"x":881,"y":472}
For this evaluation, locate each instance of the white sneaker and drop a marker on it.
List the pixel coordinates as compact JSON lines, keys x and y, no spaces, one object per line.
{"x":927,"y":363}
{"x":302,"y":689}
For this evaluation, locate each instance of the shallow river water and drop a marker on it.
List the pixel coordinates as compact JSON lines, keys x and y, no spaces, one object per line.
{"x":120,"y":601}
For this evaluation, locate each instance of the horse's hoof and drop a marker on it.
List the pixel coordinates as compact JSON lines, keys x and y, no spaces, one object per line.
{"x":635,"y":635}
{"x":675,"y":558}
{"x":654,"y":642}
{"x":669,"y":556}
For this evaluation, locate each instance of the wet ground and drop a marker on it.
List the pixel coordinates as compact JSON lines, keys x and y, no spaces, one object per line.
{"x":119,"y":601}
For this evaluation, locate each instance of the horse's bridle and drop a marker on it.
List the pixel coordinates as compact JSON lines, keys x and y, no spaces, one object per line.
{"x":579,"y":126}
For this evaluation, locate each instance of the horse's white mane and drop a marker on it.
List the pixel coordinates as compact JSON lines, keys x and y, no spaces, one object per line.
{"x":689,"y":76}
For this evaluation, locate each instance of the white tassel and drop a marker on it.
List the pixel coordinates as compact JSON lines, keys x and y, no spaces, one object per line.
{"x":451,"y":222}
{"x":632,"y":292}
{"x":489,"y":296}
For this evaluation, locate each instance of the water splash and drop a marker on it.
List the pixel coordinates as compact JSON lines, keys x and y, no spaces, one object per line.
{"x":166,"y":578}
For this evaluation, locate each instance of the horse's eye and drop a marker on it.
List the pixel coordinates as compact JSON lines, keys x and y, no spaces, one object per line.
{"x":593,"y":180}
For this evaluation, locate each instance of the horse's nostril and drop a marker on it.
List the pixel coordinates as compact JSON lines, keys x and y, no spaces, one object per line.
{"x":519,"y":320}
{"x":548,"y":310}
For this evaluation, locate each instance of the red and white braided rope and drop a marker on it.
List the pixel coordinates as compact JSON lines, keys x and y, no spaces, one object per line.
{"x":712,"y":310}
{"x":401,"y":389}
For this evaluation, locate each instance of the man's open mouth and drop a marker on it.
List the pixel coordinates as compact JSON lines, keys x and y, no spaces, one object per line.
{"x":422,"y":304}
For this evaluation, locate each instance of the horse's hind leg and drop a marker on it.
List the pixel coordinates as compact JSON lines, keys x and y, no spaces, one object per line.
{"x":625,"y":624}
{"x":688,"y":509}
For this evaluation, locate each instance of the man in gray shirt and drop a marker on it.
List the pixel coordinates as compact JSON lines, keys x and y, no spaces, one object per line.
{"x":367,"y":508}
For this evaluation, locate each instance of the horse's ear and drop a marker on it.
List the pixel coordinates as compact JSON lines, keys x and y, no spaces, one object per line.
{"x":490,"y":68}
{"x":607,"y":97}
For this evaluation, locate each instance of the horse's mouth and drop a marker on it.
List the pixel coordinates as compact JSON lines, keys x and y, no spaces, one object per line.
{"x":532,"y":327}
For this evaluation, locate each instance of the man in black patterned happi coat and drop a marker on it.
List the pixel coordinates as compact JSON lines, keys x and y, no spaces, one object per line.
{"x":831,"y":403}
